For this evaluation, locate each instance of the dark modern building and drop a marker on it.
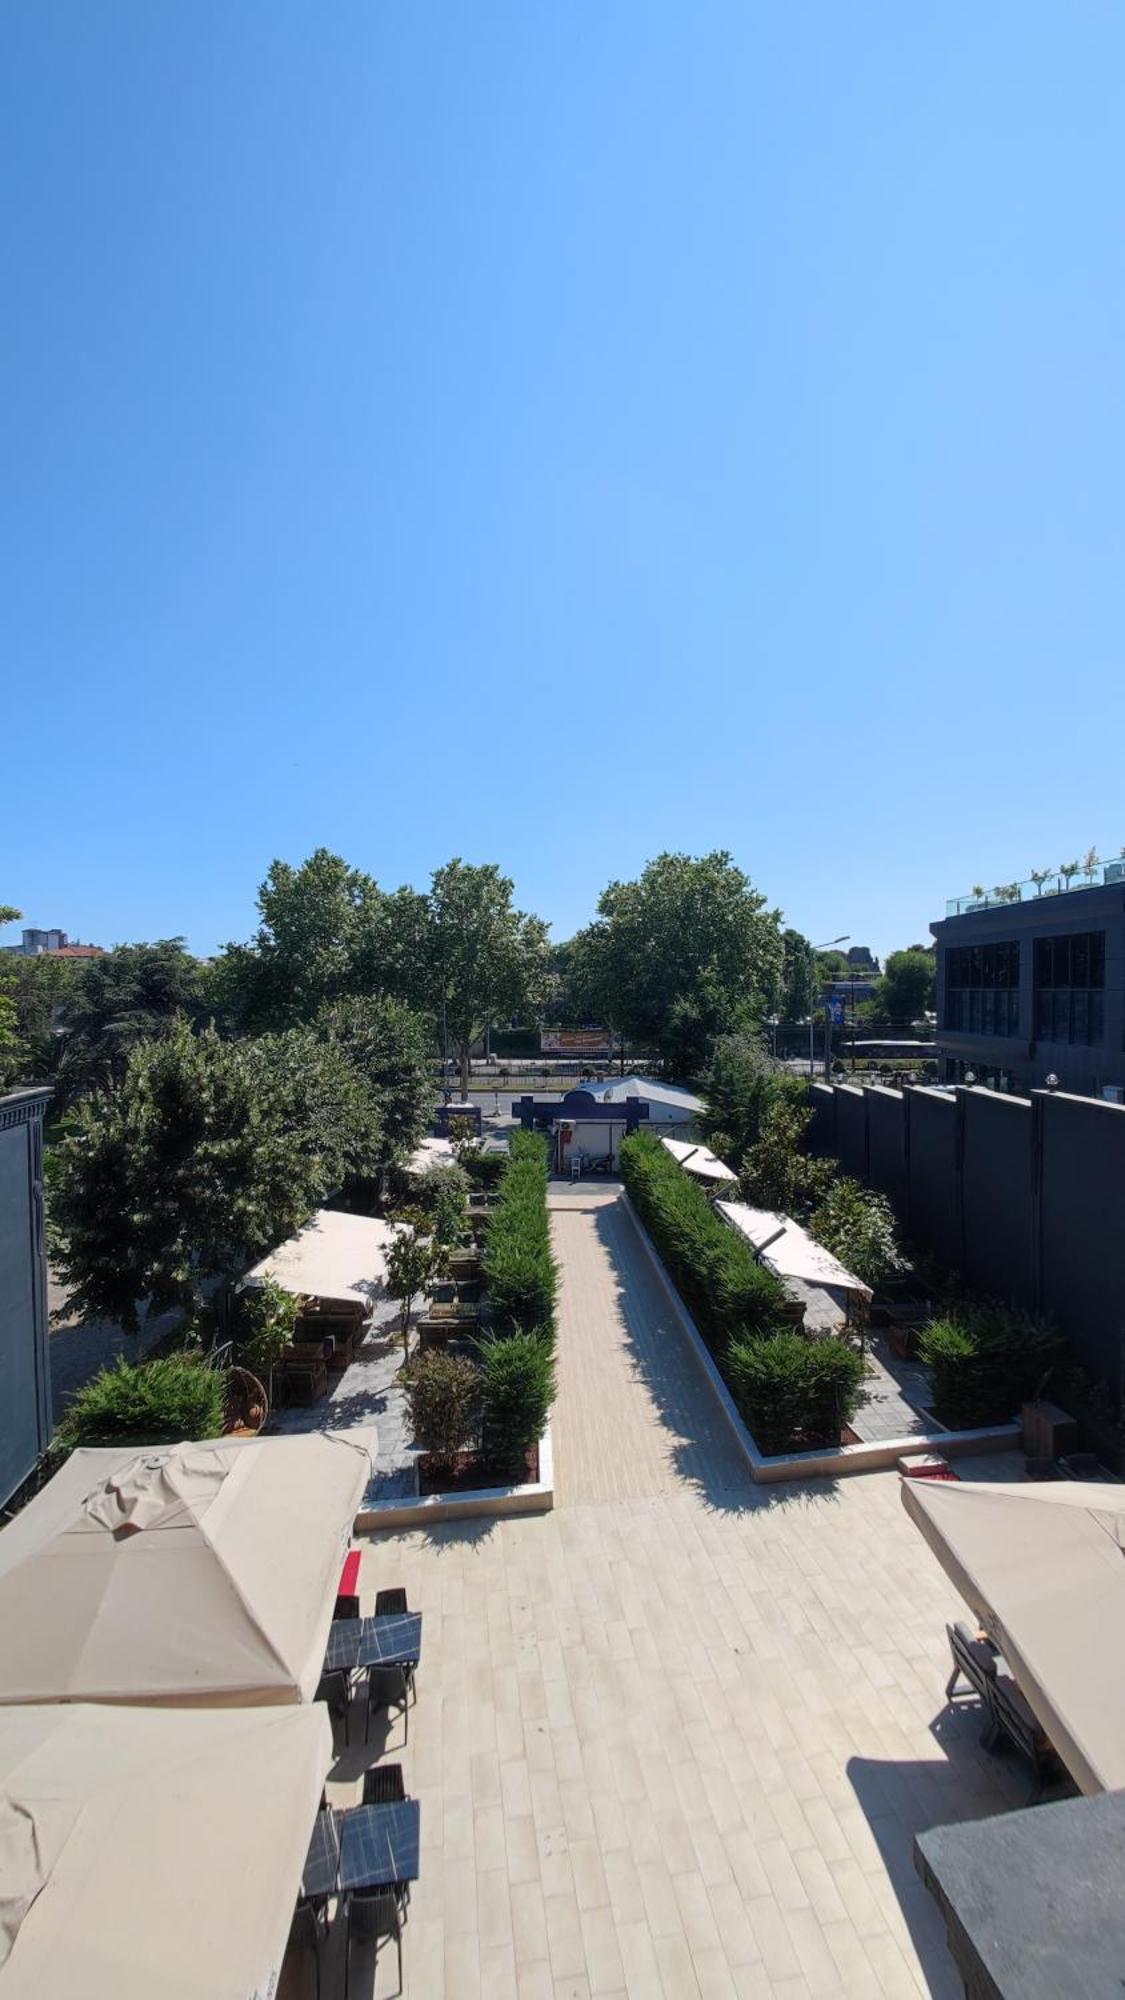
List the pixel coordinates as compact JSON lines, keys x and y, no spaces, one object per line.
{"x":1032,"y":985}
{"x":25,"y":1407}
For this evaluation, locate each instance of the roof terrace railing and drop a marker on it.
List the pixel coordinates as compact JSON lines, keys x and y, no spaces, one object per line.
{"x":1045,"y":882}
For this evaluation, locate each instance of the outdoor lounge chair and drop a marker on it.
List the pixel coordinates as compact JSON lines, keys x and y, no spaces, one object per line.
{"x":1013,"y":1719}
{"x":375,"y":1914}
{"x":974,"y":1660}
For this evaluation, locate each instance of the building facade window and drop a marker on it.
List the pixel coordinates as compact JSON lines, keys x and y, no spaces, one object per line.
{"x":982,"y":995}
{"x":1070,"y":988}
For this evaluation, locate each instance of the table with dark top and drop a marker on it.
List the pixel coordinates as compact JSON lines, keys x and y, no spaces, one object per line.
{"x":379,"y":1845}
{"x":322,"y":1865}
{"x":374,"y":1642}
{"x":1032,"y":1900}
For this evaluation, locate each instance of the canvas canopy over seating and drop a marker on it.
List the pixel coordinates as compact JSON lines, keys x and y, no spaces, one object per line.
{"x":153,"y":1851}
{"x":1043,"y":1567}
{"x":194,"y":1573}
{"x":335,"y":1256}
{"x":699,"y":1161}
{"x":789,"y":1251}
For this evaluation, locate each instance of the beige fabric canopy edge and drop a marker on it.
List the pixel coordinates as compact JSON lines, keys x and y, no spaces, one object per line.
{"x":1043,"y":1567}
{"x":188,"y":1574}
{"x":334,"y":1255}
{"x":153,"y":1851}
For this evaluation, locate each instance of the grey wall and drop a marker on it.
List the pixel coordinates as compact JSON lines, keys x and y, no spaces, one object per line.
{"x":25,"y":1422}
{"x":1025,"y":1195}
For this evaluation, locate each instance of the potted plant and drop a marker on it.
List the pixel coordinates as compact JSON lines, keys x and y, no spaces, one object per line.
{"x":1068,"y":870}
{"x":1039,"y":876}
{"x":1091,"y":862}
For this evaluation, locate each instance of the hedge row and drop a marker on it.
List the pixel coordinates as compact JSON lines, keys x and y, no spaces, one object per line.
{"x":793,"y":1392}
{"x":519,"y":1270}
{"x":714,"y":1270}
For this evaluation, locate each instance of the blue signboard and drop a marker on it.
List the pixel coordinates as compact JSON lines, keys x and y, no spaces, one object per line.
{"x":836,"y":1009}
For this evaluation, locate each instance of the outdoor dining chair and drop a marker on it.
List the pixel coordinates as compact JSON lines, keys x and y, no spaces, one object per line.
{"x":389,"y":1687}
{"x":392,"y":1604}
{"x":383,"y":1786}
{"x":374,"y":1914}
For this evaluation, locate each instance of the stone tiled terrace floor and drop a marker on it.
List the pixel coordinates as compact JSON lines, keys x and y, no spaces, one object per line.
{"x":673,"y":1739}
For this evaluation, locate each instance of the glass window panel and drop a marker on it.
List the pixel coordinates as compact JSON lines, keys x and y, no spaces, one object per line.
{"x":1097,"y":1016}
{"x":1080,"y":961}
{"x":1097,"y":958}
{"x":1080,"y":1015}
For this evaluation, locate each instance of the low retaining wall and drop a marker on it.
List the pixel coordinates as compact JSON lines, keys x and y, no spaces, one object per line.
{"x":487,"y":1501}
{"x":830,"y":1462}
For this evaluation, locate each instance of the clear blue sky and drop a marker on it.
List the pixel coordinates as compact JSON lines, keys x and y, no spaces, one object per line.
{"x":700,"y":425}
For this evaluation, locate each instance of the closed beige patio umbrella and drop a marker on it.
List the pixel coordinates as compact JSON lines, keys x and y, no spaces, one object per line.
{"x":149,"y":1852}
{"x":193,"y":1573}
{"x":1043,"y":1567}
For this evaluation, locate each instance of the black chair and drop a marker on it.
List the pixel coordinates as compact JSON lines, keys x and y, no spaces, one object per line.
{"x":392,"y":1604}
{"x":383,"y":1785}
{"x":388,"y":1687}
{"x":375,"y":1915}
{"x":311,"y":1917}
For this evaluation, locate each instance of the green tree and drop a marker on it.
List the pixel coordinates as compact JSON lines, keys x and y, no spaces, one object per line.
{"x":413,"y":1261}
{"x":114,"y":1003}
{"x":38,"y":989}
{"x":686,"y":952}
{"x":777,"y":1172}
{"x":906,"y":989}
{"x":317,"y":942}
{"x":858,"y":1226}
{"x":390,"y":1050}
{"x":484,"y":959}
{"x":798,"y":978}
{"x":740,"y":1084}
{"x":206,"y":1155}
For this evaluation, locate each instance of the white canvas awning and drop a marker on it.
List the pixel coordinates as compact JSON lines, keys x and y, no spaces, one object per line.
{"x":335,"y":1256}
{"x":1043,"y":1567}
{"x":147,"y":1852}
{"x":667,"y":1103}
{"x":789,"y":1251}
{"x":196,"y":1573}
{"x":430,"y":1153}
{"x":699,"y":1160}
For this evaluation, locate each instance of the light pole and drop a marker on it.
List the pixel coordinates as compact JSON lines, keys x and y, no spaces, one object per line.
{"x":846,"y":939}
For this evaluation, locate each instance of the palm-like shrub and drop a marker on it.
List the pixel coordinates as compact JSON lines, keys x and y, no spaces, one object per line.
{"x":519,"y":1387}
{"x":986,"y":1361}
{"x":148,"y":1402}
{"x":793,"y":1391}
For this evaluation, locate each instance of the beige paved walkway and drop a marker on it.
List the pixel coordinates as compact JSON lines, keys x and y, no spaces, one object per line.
{"x":635,"y":1417}
{"x":673,"y":1743}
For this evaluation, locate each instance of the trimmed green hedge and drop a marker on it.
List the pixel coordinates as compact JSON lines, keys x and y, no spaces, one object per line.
{"x":519,"y":1270}
{"x":793,"y":1391}
{"x":149,"y":1402}
{"x":519,"y":1387}
{"x":714,"y":1269}
{"x":985,"y":1362}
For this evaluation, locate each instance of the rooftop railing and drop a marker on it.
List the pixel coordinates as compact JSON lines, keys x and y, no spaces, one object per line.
{"x":1050,"y":882}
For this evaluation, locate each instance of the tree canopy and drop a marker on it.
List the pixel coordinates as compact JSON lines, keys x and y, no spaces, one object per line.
{"x":798,"y":977}
{"x":317,"y":942}
{"x":686,"y":952}
{"x":112,"y":1003}
{"x":483,"y":960}
{"x":206,"y":1154}
{"x":907,"y":988}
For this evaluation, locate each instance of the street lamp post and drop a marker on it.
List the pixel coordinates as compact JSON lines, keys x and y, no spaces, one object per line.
{"x":846,"y":939}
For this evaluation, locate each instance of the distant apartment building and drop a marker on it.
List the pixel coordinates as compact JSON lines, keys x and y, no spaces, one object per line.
{"x":1031,"y":985}
{"x":54,"y":944}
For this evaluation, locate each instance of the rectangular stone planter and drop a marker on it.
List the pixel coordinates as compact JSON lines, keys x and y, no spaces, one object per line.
{"x":484,"y":1502}
{"x":832,"y":1461}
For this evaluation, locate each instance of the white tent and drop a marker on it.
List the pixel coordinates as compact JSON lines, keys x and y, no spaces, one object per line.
{"x":699,"y":1161}
{"x":667,"y":1103}
{"x":1043,"y":1567}
{"x":195,"y":1573}
{"x":430,"y":1153}
{"x":789,"y":1251}
{"x":149,"y":1852}
{"x":335,"y":1256}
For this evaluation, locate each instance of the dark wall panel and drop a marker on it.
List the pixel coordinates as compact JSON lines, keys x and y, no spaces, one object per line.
{"x":997,"y":1194}
{"x":1082,"y":1211}
{"x":886,"y":1145}
{"x":934,"y":1218}
{"x":851,"y":1130}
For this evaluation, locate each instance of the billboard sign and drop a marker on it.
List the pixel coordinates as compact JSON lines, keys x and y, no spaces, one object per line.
{"x":574,"y":1041}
